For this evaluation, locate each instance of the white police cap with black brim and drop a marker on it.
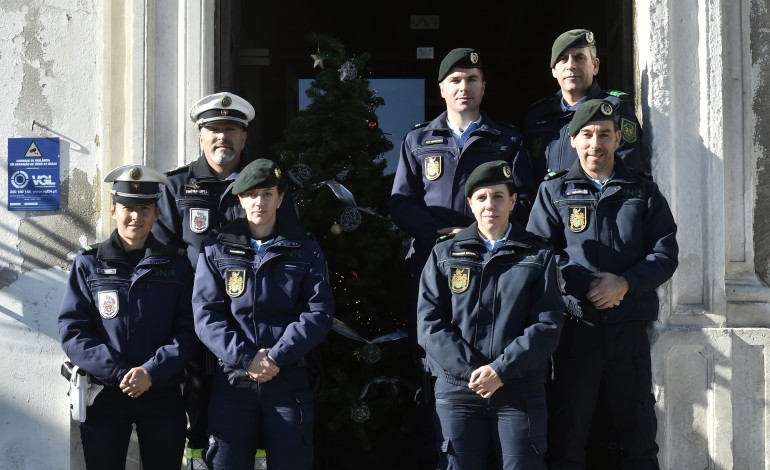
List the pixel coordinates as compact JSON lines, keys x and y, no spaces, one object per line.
{"x":222,"y":107}
{"x":135,"y":184}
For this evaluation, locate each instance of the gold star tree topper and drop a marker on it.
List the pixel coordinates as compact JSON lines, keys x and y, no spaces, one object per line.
{"x":318,"y":60}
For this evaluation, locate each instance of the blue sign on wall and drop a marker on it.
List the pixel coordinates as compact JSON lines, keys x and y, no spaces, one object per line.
{"x":33,"y":174}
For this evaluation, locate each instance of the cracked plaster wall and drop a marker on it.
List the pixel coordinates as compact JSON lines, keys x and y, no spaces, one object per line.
{"x":49,"y":53}
{"x":760,"y":64}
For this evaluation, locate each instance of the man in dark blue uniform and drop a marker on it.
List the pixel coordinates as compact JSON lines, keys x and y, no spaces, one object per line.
{"x":197,"y":200}
{"x":615,"y":240}
{"x":126,"y":319}
{"x":489,"y":316}
{"x":427,"y":200}
{"x":261,"y":303}
{"x":574,"y":65}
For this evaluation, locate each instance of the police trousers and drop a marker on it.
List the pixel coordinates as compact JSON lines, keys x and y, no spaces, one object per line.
{"x":278,"y":413}
{"x":602,"y":370}
{"x":159,"y":416}
{"x":509,"y":427}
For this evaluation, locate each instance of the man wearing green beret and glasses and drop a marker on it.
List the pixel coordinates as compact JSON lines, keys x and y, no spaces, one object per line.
{"x":574,"y":65}
{"x":615,"y":241}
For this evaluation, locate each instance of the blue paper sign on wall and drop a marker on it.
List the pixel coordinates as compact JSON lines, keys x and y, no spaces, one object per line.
{"x":33,"y":174}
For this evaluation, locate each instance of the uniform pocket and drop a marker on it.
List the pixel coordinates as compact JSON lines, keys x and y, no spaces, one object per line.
{"x":306,"y":402}
{"x":538,"y":421}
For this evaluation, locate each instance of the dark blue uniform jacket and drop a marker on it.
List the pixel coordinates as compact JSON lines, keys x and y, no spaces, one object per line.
{"x":548,"y":141}
{"x":196,"y":201}
{"x":477,"y":308}
{"x":626,"y":229}
{"x":115,"y":316}
{"x":428,"y":188}
{"x":243,"y":302}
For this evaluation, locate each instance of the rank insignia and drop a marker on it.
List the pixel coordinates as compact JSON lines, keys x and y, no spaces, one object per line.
{"x":235,"y":281}
{"x":578,"y":219}
{"x":460,"y":279}
{"x":199,"y":220}
{"x":628,"y":130}
{"x":108,"y":304}
{"x":433,"y":168}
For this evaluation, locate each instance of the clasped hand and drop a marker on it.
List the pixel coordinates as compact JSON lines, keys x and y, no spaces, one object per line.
{"x":485,"y":381}
{"x":263,"y":367}
{"x":136,"y":382}
{"x":607,"y":290}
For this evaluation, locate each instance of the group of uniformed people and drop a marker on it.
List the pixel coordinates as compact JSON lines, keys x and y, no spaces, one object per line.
{"x":531,"y":300}
{"x":208,"y":280}
{"x":532,"y":343}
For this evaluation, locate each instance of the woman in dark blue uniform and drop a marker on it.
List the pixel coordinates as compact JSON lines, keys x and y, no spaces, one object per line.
{"x":261,"y":303}
{"x":126,"y":319}
{"x":489,"y":316}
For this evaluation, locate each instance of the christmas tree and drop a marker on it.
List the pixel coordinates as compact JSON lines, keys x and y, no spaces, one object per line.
{"x":333,"y":153}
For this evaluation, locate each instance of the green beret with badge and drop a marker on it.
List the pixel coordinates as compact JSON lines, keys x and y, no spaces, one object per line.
{"x":574,"y":38}
{"x":488,"y":174}
{"x":590,"y":111}
{"x":261,"y":173}
{"x":463,"y":57}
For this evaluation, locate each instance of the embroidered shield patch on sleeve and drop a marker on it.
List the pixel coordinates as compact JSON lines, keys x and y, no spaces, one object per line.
{"x":628,"y":130}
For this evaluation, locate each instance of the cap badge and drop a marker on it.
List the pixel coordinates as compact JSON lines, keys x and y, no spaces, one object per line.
{"x":474,"y":57}
{"x":278,"y":173}
{"x":578,"y":219}
{"x":606,"y":109}
{"x":223,"y":112}
{"x":589,"y":37}
{"x":460,"y":280}
{"x":506,"y":171}
{"x":135,"y":173}
{"x":226,"y":101}
{"x":134,"y":186}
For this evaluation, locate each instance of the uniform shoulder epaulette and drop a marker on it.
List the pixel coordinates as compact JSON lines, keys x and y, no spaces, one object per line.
{"x":88,"y":249}
{"x":177,"y":170}
{"x":642,"y":173}
{"x":616,"y":93}
{"x":541,"y":100}
{"x":554,"y":174}
{"x":446,"y":237}
{"x":420,"y":124}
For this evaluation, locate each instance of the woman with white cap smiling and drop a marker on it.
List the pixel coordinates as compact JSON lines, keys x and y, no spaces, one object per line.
{"x":126,"y":320}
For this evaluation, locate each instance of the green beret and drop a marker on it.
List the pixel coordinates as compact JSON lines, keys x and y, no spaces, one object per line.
{"x":463,"y":57}
{"x":261,"y":173}
{"x":570,"y":39}
{"x":488,"y":174}
{"x":591,"y":110}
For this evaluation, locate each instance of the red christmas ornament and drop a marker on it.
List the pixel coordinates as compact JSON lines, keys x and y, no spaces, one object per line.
{"x":372,"y":124}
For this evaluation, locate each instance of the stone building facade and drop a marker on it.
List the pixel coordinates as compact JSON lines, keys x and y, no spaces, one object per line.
{"x":113,"y":81}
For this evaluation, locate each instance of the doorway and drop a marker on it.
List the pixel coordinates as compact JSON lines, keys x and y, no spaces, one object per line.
{"x":263,"y":54}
